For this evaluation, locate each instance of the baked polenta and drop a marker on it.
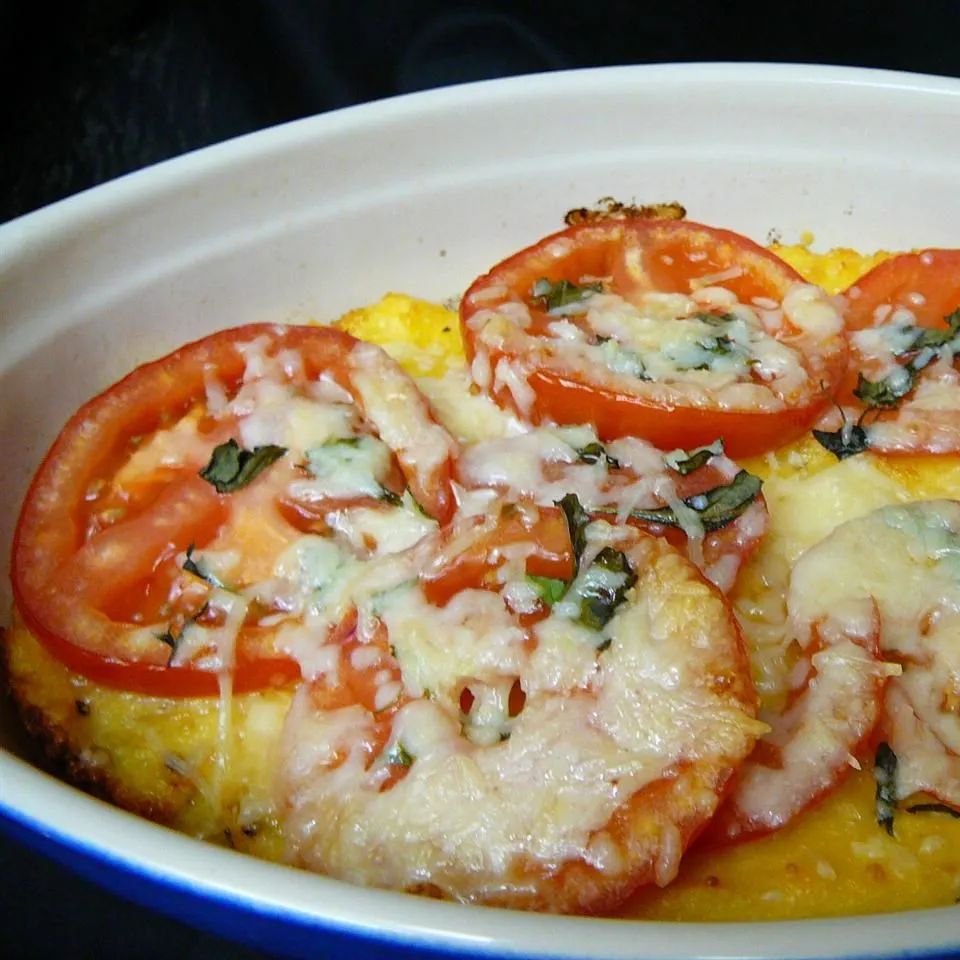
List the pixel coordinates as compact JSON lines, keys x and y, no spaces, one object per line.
{"x":410,"y":513}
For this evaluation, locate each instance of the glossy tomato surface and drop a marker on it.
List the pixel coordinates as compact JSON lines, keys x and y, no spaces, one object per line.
{"x":631,"y":258}
{"x":94,"y":561}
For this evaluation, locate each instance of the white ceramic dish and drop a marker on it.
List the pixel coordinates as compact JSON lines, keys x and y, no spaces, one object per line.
{"x":420,"y":194}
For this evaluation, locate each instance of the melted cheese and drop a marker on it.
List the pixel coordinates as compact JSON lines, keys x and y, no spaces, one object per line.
{"x":833,"y":860}
{"x":666,"y":347}
{"x":604,"y":715}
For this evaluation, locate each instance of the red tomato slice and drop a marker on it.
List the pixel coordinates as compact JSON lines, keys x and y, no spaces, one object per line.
{"x":70,"y":574}
{"x":927,"y":284}
{"x":479,"y":551}
{"x":807,"y":754}
{"x":631,"y":258}
{"x":736,"y":542}
{"x":933,"y":274}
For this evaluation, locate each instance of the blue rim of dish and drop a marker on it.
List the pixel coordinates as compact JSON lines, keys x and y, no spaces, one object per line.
{"x":291,"y":932}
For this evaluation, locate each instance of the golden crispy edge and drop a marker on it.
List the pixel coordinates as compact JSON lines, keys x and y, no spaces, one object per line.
{"x":62,"y":755}
{"x":608,"y":208}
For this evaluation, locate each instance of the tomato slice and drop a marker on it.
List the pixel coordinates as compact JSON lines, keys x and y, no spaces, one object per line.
{"x":926,"y":283}
{"x":807,"y":754}
{"x":77,"y":577}
{"x":546,"y":464}
{"x":480,"y":549}
{"x":911,"y":290}
{"x":677,"y":380}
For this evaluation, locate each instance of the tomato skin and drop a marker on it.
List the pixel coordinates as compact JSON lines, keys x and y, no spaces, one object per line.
{"x":732,"y":824}
{"x":639,"y":256}
{"x":616,"y":415}
{"x":62,"y":580}
{"x":926,"y":283}
{"x":935,"y":274}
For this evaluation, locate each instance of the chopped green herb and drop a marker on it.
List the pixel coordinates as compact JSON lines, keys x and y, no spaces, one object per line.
{"x":549,"y":589}
{"x":686,"y":461}
{"x":418,"y":504}
{"x":843,"y":443}
{"x":934,"y":808}
{"x":577,"y":519}
{"x":722,"y":345}
{"x":716,"y":507}
{"x":191,"y":566}
{"x":171,"y":641}
{"x":595,"y":452}
{"x":932,"y":338}
{"x":618,"y":359}
{"x":563,"y":293}
{"x":232,"y":468}
{"x":885,"y":773}
{"x":601,"y":595}
{"x":887,"y":393}
{"x":388,"y":496}
{"x":398,"y":756}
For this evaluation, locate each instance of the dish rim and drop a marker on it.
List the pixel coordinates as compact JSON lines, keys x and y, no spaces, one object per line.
{"x":429,"y":925}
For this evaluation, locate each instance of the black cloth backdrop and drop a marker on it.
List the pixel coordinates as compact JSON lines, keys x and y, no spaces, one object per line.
{"x":100,"y":87}
{"x":93,"y":90}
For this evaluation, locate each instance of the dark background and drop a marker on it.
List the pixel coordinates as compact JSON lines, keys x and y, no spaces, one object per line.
{"x":97,"y":89}
{"x":100,"y":87}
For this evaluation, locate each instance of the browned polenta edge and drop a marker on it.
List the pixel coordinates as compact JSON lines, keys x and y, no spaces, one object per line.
{"x":61,"y":758}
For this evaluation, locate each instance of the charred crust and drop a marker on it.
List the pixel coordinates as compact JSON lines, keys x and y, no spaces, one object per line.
{"x":608,"y":208}
{"x":61,"y":758}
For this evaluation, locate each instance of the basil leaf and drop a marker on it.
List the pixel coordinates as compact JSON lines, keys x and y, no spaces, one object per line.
{"x":721,"y":346}
{"x":934,"y":808}
{"x":618,"y":359}
{"x":595,"y":452}
{"x":686,"y":461}
{"x":599,"y":597}
{"x":191,"y":566}
{"x":717,"y":507}
{"x":549,"y":589}
{"x":232,"y":468}
{"x":931,"y":338}
{"x":173,"y":640}
{"x":398,"y":756}
{"x":885,"y":773}
{"x":843,"y":443}
{"x":886,"y":393}
{"x":577,"y":519}
{"x":418,"y":505}
{"x":563,"y":293}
